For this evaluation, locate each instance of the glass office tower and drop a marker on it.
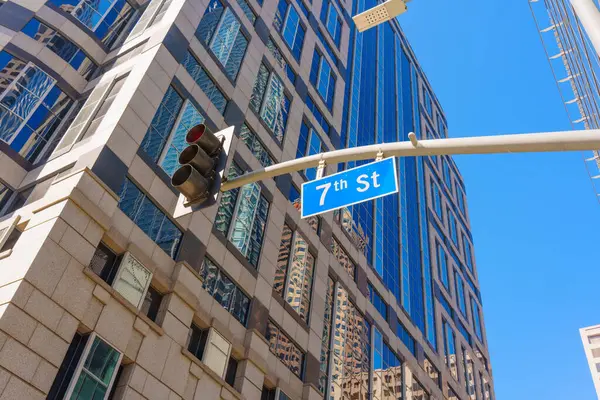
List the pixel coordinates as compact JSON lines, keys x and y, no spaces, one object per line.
{"x":112,"y":289}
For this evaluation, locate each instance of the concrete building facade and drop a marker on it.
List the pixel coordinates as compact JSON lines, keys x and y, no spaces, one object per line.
{"x":590,"y":337}
{"x":112,"y":289}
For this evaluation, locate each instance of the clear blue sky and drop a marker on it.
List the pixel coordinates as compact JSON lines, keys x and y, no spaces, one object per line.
{"x":534,"y":217}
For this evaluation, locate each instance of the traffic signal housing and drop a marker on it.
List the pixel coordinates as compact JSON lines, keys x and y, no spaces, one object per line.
{"x":202,"y":165}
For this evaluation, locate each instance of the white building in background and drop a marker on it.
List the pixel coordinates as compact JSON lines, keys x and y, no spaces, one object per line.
{"x":590,"y":337}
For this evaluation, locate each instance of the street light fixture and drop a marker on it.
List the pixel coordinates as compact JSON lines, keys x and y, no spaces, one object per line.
{"x":378,"y":14}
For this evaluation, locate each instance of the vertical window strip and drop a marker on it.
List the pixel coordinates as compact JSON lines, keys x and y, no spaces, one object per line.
{"x":476,"y":319}
{"x":468,"y":253}
{"x":437,"y":200}
{"x":287,"y":23}
{"x":220,"y":31}
{"x":226,"y":292}
{"x":376,"y":299}
{"x":453,"y":227}
{"x":442,"y":260}
{"x":294,"y":271}
{"x":242,"y":217}
{"x":405,"y":337}
{"x":460,"y":293}
{"x":247,"y":9}
{"x":283,"y":63}
{"x":387,"y":375}
{"x":323,"y":79}
{"x":256,"y":147}
{"x":204,"y":81}
{"x":149,"y":218}
{"x":270,"y":102}
{"x":450,"y":349}
{"x":282,"y":346}
{"x":326,"y":337}
{"x":343,"y":258}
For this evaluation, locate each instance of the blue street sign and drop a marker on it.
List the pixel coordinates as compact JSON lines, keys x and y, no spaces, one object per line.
{"x":352,"y":186}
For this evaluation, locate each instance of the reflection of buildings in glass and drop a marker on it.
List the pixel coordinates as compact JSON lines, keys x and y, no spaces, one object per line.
{"x":355,"y":231}
{"x":387,"y":383}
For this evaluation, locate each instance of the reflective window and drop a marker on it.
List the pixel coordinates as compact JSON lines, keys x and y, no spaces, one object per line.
{"x":436,"y":198}
{"x":287,"y":22}
{"x":342,"y":257}
{"x":323,"y":78}
{"x":487,"y":390}
{"x":242,"y":217}
{"x":310,"y":105}
{"x":469,"y":371}
{"x":460,"y":195}
{"x":5,"y":195}
{"x":376,"y":299}
{"x":453,"y":227}
{"x":149,"y":218}
{"x":289,"y":72}
{"x":253,"y":143}
{"x":224,"y":290}
{"x":153,"y":14}
{"x":106,"y":18}
{"x":442,"y":261}
{"x":314,"y":222}
{"x":452,"y":394}
{"x":468,"y":253}
{"x":446,"y":305}
{"x":332,"y":20}
{"x":418,"y":391}
{"x":450,"y":349}
{"x":427,"y":101}
{"x":463,"y":331}
{"x":197,"y":341}
{"x":326,"y":337}
{"x":460,"y":293}
{"x":326,"y":45}
{"x":476,"y":319}
{"x":32,"y":108}
{"x":283,"y":347}
{"x":206,"y":83}
{"x":309,"y":144}
{"x":270,"y":102}
{"x":294,"y":271}
{"x":247,"y":9}
{"x":406,"y":337}
{"x":447,"y":174}
{"x":350,"y":353}
{"x":387,"y":370}
{"x":220,"y":31}
{"x":61,"y":46}
{"x":432,"y":371}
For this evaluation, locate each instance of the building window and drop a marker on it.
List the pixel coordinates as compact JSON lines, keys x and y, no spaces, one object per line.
{"x":294,"y":271}
{"x":287,"y":23}
{"x":453,"y":227}
{"x":312,"y":107}
{"x":107,"y":18}
{"x":442,"y":260}
{"x":376,"y":299}
{"x":32,"y":108}
{"x":442,"y":299}
{"x":463,"y":331}
{"x":450,"y":349}
{"x":314,"y":221}
{"x":427,"y":101}
{"x":5,"y":195}
{"x":432,"y":371}
{"x":460,"y":293}
{"x":61,"y":46}
{"x":326,"y":45}
{"x":88,"y":370}
{"x":242,"y":217}
{"x":405,"y":337}
{"x":270,"y":102}
{"x":468,"y":253}
{"x":220,"y":31}
{"x":452,"y":394}
{"x":469,"y":374}
{"x":418,"y":391}
{"x":206,"y":83}
{"x":165,"y":138}
{"x":197,"y":341}
{"x":387,"y":372}
{"x":323,"y":78}
{"x":352,"y":333}
{"x":231,"y":371}
{"x":153,"y":14}
{"x":342,"y":257}
{"x":437,"y":200}
{"x":326,"y":337}
{"x":594,"y":339}
{"x":331,"y":19}
{"x":283,"y":347}
{"x":289,"y":72}
{"x":256,"y":147}
{"x":247,"y":9}
{"x":476,"y":319}
{"x":224,"y":291}
{"x":149,"y":218}
{"x":151,"y":304}
{"x":460,"y":195}
{"x":309,"y":144}
{"x":447,"y":174}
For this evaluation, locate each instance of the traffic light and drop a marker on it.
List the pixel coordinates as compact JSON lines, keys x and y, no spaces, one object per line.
{"x":202,"y":164}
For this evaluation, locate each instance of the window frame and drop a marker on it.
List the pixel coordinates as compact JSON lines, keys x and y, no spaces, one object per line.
{"x":82,"y":360}
{"x":284,"y":23}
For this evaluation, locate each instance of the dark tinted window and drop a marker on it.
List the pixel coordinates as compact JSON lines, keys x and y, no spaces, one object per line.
{"x":197,"y":341}
{"x":104,"y":263}
{"x":151,"y":303}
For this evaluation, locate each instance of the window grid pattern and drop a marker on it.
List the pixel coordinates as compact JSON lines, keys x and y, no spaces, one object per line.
{"x":224,"y":291}
{"x":32,"y":108}
{"x":294,"y":272}
{"x":468,"y":253}
{"x":106,"y":18}
{"x":287,"y":23}
{"x":270,"y":102}
{"x":220,"y":31}
{"x":332,"y":21}
{"x":376,"y":299}
{"x":437,"y":200}
{"x":343,"y":258}
{"x":242,"y":217}
{"x":442,"y":260}
{"x":450,"y":350}
{"x":61,"y":46}
{"x":323,"y":78}
{"x":149,"y":218}
{"x":253,"y":143}
{"x":405,"y":337}
{"x":205,"y":82}
{"x":460,"y":293}
{"x":387,"y":370}
{"x":326,"y":337}
{"x":432,"y":371}
{"x":453,"y":227}
{"x":283,"y":347}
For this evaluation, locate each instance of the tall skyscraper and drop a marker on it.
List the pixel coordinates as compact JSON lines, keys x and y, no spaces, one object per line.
{"x":112,"y":288}
{"x":590,"y":337}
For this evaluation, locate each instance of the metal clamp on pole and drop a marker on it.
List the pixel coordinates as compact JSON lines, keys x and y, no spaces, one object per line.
{"x":321,"y":169}
{"x":413,"y":139}
{"x":379,"y":156}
